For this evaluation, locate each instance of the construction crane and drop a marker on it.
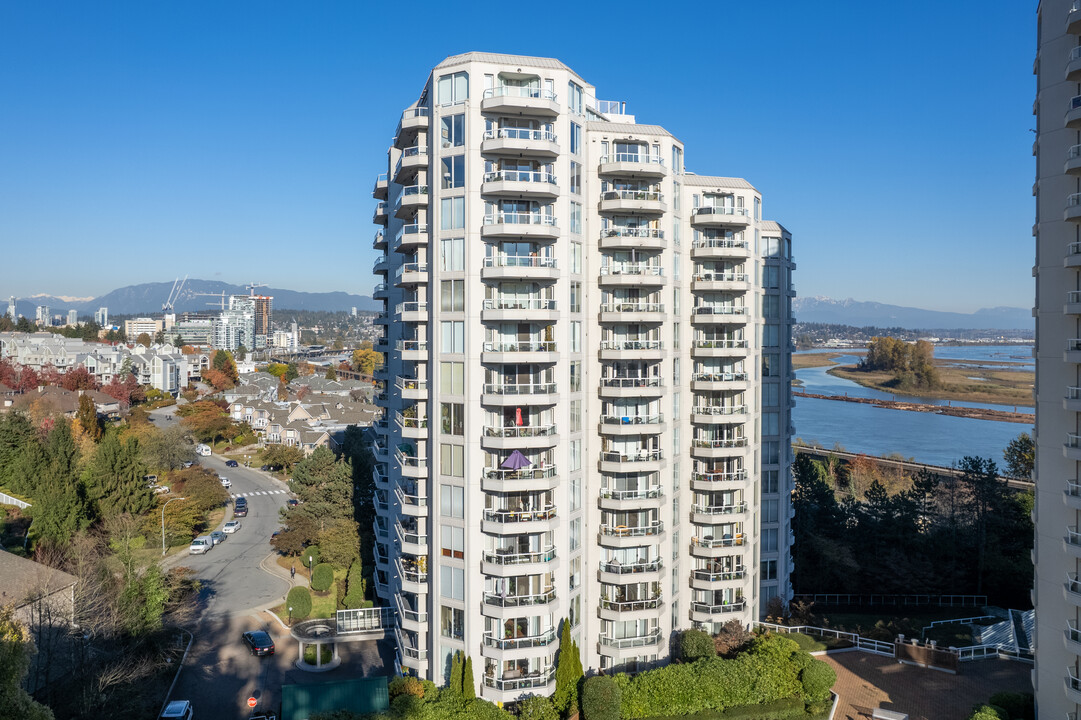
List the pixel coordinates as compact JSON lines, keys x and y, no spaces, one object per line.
{"x":174,"y":295}
{"x":220,"y":295}
{"x":251,"y":287}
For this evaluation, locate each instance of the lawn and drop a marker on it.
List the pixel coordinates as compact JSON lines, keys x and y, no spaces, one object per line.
{"x":817,"y":643}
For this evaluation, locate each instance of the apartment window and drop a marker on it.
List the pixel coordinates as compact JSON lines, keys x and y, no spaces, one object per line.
{"x":675,"y":368}
{"x":452,"y":418}
{"x":576,"y":415}
{"x":771,"y":277}
{"x":769,"y":540}
{"x":676,"y":228}
{"x":576,"y":297}
{"x":576,"y":336}
{"x":452,"y":295}
{"x":453,"y":251}
{"x":675,"y":404}
{"x":451,"y":622}
{"x":452,"y":541}
{"x":453,"y":89}
{"x":675,"y":549}
{"x":574,"y":98}
{"x":576,"y":610}
{"x":769,"y":481}
{"x":454,"y":172}
{"x":452,"y":501}
{"x":675,"y":197}
{"x":771,"y":394}
{"x":452,"y":582}
{"x":452,"y":460}
{"x":576,"y":376}
{"x":576,"y":492}
{"x":576,"y":455}
{"x":757,"y":209}
{"x":770,"y":511}
{"x":771,"y":423}
{"x":675,"y":302}
{"x":677,"y":160}
{"x":452,"y":215}
{"x":576,"y":258}
{"x":769,"y":569}
{"x":771,"y":307}
{"x":771,"y":365}
{"x":575,"y":533}
{"x":771,"y":336}
{"x":771,"y":452}
{"x":453,"y":336}
{"x":576,"y":218}
{"x":452,"y":377}
{"x":576,"y":138}
{"x":576,"y":178}
{"x":675,"y":498}
{"x":675,"y":336}
{"x":453,"y":130}
{"x":575,"y":574}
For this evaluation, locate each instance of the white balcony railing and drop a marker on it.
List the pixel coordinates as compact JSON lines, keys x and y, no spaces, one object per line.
{"x":520,"y":346}
{"x":646,"y":493}
{"x":519,"y":431}
{"x":519,"y":91}
{"x":546,"y":638}
{"x":722,"y":243}
{"x":720,"y":210}
{"x":519,"y":303}
{"x":719,"y":509}
{"x":631,"y":382}
{"x":653,"y":528}
{"x":632,"y":269}
{"x":720,"y":410}
{"x":642,"y":455}
{"x":519,"y":134}
{"x":650,"y":195}
{"x":633,"y":232}
{"x":645,"y":158}
{"x":655,"y":419}
{"x":524,"y":261}
{"x":652,"y":638}
{"x":519,"y":388}
{"x":516,"y":218}
{"x":631,"y":345}
{"x":508,"y":556}
{"x":528,"y":176}
{"x":623,"y":306}
{"x":533,"y":472}
{"x":722,"y":376}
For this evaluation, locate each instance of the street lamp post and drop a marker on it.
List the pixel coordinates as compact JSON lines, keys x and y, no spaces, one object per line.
{"x":163,"y":522}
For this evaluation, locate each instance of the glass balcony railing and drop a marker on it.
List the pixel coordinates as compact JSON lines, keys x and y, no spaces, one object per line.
{"x":618,"y":344}
{"x":708,"y":343}
{"x":652,"y":638}
{"x":615,"y":567}
{"x":719,"y":376}
{"x":633,"y":232}
{"x":624,"y":306}
{"x":655,"y":419}
{"x":653,"y":528}
{"x":517,"y":643}
{"x":720,"y":410}
{"x":632,"y":269}
{"x":643,"y":455}
{"x":519,"y":431}
{"x":722,"y":243}
{"x":533,"y":472}
{"x":516,"y":516}
{"x":648,"y":195}
{"x":704,"y":509}
{"x":527,"y":176}
{"x":511,"y":557}
{"x":517,"y":218}
{"x":519,"y":388}
{"x":519,"y":91}
{"x":720,"y":210}
{"x":519,"y":134}
{"x":720,"y":476}
{"x":652,"y":491}
{"x":520,"y":346}
{"x":503,"y":600}
{"x":523,"y":261}
{"x":519,"y":303}
{"x":518,"y":680}
{"x":646,"y":158}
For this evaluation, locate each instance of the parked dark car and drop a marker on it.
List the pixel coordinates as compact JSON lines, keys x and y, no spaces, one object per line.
{"x":259,"y":642}
{"x":292,"y":502}
{"x":231,"y":463}
{"x":240,"y":507}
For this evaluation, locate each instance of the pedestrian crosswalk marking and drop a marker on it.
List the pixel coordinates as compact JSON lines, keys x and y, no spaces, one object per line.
{"x":234,"y":496}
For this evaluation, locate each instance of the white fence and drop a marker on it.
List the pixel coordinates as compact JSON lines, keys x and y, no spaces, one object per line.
{"x":6,"y":499}
{"x":877,"y":647}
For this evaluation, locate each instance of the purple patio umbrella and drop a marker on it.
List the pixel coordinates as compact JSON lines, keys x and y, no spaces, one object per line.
{"x":516,"y":461}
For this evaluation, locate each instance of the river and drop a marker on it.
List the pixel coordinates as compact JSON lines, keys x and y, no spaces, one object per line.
{"x":926,"y":437}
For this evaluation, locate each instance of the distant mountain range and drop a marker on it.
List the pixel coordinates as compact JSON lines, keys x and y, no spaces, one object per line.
{"x":862,"y":314}
{"x":196,"y":296}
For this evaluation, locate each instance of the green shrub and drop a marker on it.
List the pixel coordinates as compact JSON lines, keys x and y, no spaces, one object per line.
{"x":988,"y":712}
{"x":600,"y":698}
{"x":789,"y":709}
{"x":537,"y":707}
{"x":355,"y":587}
{"x":310,"y":556}
{"x":817,"y":678}
{"x":806,"y":642}
{"x":322,"y":577}
{"x":1019,"y":706}
{"x":695,"y":645}
{"x":405,"y":686}
{"x":300,"y":600}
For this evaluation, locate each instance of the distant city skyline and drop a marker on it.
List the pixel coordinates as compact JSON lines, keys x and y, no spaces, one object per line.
{"x":153,"y":141}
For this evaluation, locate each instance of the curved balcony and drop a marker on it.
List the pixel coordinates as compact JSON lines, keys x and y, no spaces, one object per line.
{"x":1072,"y":448}
{"x":413,"y":121}
{"x":625,"y":648}
{"x":515,"y":683}
{"x":729,"y":281}
{"x":616,"y":573}
{"x":520,"y":351}
{"x":632,"y":238}
{"x":522,"y":437}
{"x":631,"y":387}
{"x":720,"y":216}
{"x":721,"y":248}
{"x":719,"y":314}
{"x":708,"y":613}
{"x":531,"y":478}
{"x":412,"y":312}
{"x":719,"y":414}
{"x":411,"y":236}
{"x":413,"y":350}
{"x":643,"y":499}
{"x":379,"y":292}
{"x":708,"y":448}
{"x":632,"y":164}
{"x":710,"y":514}
{"x":632,"y":311}
{"x":625,"y":274}
{"x":506,"y":563}
{"x":504,"y":394}
{"x":629,"y":609}
{"x":642,"y":461}
{"x":712,"y":481}
{"x":379,"y":217}
{"x":1073,"y":161}
{"x":710,"y":547}
{"x":631,"y":350}
{"x":518,"y":522}
{"x":1071,"y":637}
{"x":520,"y":142}
{"x":411,"y":274}
{"x":706,"y":381}
{"x":519,"y":267}
{"x":520,"y":183}
{"x":635,"y":202}
{"x":717,"y":579}
{"x":1073,"y":255}
{"x":380,"y":241}
{"x":524,"y":225}
{"x":1072,"y":213}
{"x":379,"y":190}
{"x":1073,"y":303}
{"x":518,"y":100}
{"x":500,"y":605}
{"x":413,"y":160}
{"x":624,"y":536}
{"x":526,"y":642}
{"x":632,"y":424}
{"x":704,"y":348}
{"x":514,"y":309}
{"x":411,"y":198}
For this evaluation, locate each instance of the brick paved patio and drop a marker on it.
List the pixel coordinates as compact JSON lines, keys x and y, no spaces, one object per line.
{"x":866,"y":681}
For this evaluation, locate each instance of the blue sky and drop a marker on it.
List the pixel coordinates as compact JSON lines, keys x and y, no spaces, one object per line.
{"x":239,"y":140}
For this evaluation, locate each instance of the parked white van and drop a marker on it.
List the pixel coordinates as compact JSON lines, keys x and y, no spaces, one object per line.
{"x":200,"y":545}
{"x":202,"y":450}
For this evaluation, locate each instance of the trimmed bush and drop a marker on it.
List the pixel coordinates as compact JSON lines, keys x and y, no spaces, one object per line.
{"x":300,"y":600}
{"x":988,"y":712}
{"x":695,"y":645}
{"x":322,"y":577}
{"x":537,"y":707}
{"x":355,"y":587}
{"x":310,"y":556}
{"x":405,"y":686}
{"x":1019,"y":706}
{"x":790,"y":709}
{"x":600,"y":698}
{"x":817,"y":678}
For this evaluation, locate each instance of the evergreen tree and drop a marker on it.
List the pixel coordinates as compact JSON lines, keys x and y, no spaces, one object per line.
{"x":114,"y":478}
{"x":454,"y":685}
{"x":59,"y":502}
{"x":16,"y":435}
{"x":568,"y":673}
{"x":88,"y":418}
{"x":469,"y":690}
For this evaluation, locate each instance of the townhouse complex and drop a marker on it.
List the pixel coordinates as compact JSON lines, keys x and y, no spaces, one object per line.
{"x":587,"y":371}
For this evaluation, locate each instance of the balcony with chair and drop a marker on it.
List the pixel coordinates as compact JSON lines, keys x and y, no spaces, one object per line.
{"x":723,"y":280}
{"x":633,"y":347}
{"x":641,"y":459}
{"x":527,"y":393}
{"x":617,"y":274}
{"x":614,"y":572}
{"x":411,"y":274}
{"x":410,"y":199}
{"x":632,"y":237}
{"x":722,"y":479}
{"x":632,"y":424}
{"x":512,"y":562}
{"x":719,"y":414}
{"x":511,"y":437}
{"x":533,"y":477}
{"x":640,"y":202}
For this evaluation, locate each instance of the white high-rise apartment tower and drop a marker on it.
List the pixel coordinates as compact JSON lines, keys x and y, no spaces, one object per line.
{"x":588,"y":367}
{"x":1057,"y":552}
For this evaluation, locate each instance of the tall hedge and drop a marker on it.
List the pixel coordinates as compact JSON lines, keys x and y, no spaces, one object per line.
{"x":356,"y":587}
{"x":600,"y":698}
{"x":300,"y":600}
{"x":322,"y":577}
{"x":817,"y":678}
{"x":695,"y":645}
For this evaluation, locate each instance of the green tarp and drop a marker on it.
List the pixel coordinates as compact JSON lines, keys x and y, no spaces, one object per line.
{"x":363,"y":695}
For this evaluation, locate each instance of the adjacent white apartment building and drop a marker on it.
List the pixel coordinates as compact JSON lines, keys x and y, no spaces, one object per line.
{"x":587,"y":382}
{"x":1057,"y":551}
